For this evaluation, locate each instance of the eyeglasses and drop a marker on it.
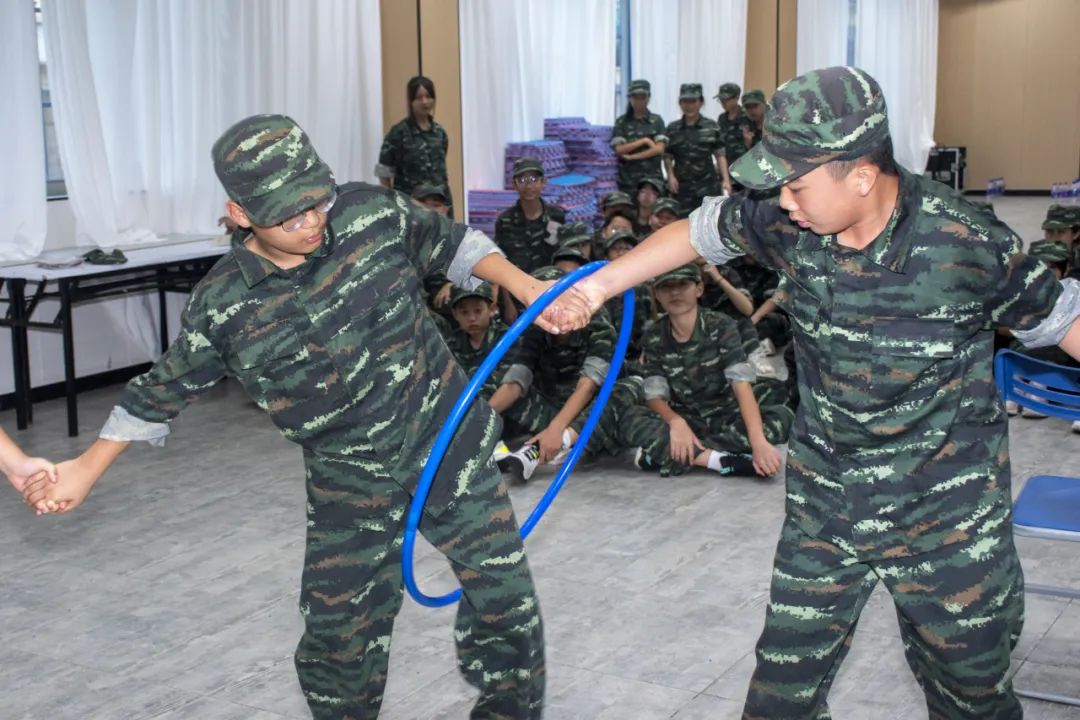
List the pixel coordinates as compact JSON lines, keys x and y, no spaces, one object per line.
{"x":528,"y":179}
{"x":300,"y":219}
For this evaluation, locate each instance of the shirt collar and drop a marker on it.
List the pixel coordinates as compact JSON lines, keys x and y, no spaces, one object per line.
{"x":255,"y":268}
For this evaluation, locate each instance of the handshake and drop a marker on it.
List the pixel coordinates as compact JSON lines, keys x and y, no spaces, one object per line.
{"x":45,"y":487}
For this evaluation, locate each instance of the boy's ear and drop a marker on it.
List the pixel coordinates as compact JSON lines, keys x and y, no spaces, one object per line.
{"x":237,"y":214}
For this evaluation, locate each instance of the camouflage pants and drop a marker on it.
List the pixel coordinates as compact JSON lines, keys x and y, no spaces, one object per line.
{"x":727,"y":432}
{"x":960,"y":610}
{"x":530,"y":414}
{"x":352,"y":590}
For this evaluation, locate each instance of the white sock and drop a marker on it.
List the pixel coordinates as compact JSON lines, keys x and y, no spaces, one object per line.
{"x":713,"y":462}
{"x":567,"y":439}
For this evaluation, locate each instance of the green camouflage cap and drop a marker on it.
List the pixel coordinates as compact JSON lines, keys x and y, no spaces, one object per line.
{"x":528,"y":165}
{"x":1072,"y":214}
{"x":426,"y":190}
{"x":728,"y":91}
{"x":1049,"y":251}
{"x":656,"y":182}
{"x":669,"y":204}
{"x":639,"y":87}
{"x":837,"y":113}
{"x":548,"y":272}
{"x":569,"y":252}
{"x":690,"y":271}
{"x":572,"y":233}
{"x":753,"y":97}
{"x":620,"y":235}
{"x":691,"y":91}
{"x":268,"y":166}
{"x":1057,"y":218}
{"x":614,"y":199}
{"x":482,"y":291}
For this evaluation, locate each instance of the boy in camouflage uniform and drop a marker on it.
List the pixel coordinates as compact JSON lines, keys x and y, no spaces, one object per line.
{"x":1062,"y":224}
{"x":753,"y":123}
{"x":436,"y":285}
{"x":665,"y":212}
{"x":644,"y":312}
{"x":898,"y":465}
{"x":638,"y":139}
{"x":730,"y":124}
{"x":316,"y":311}
{"x":694,"y":151}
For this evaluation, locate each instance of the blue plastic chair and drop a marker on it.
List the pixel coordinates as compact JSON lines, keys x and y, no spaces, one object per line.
{"x":1049,"y":505}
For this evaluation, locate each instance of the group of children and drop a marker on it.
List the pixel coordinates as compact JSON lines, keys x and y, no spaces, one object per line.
{"x":697,"y":387}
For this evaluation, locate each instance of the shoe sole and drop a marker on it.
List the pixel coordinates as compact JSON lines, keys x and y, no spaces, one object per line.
{"x":514,"y":470}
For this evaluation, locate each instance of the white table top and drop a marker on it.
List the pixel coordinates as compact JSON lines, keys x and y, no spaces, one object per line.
{"x":176,"y":248}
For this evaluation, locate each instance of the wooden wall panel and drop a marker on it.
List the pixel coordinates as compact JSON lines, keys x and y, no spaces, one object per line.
{"x":441,"y":57}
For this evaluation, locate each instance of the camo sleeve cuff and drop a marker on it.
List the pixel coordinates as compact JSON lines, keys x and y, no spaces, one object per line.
{"x":384,"y":171}
{"x":518,"y":373}
{"x":740,"y":372}
{"x":705,"y":232}
{"x":661,"y":137}
{"x":657,"y":388}
{"x":596,"y":369}
{"x":122,"y":426}
{"x":474,"y":247}
{"x":617,"y":140}
{"x":1051,"y":331}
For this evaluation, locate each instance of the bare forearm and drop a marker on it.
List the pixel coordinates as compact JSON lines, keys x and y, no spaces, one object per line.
{"x":742,"y":303}
{"x":574,"y":404}
{"x":650,"y":152}
{"x":767,"y":308}
{"x":10,"y":453}
{"x":101,"y":455}
{"x":497,"y":270}
{"x":661,"y":408}
{"x":750,"y":411}
{"x":503,"y":398}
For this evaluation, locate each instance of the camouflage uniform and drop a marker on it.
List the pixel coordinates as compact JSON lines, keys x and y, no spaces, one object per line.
{"x":629,"y":128}
{"x":346,"y":360}
{"x":412,"y":156}
{"x":693,"y":147}
{"x":529,"y":243}
{"x":761,"y":282}
{"x":644,"y":312}
{"x":552,"y":365}
{"x":1062,"y":217}
{"x":898,"y":464}
{"x":731,"y":128}
{"x":750,"y":98}
{"x":471,"y":358}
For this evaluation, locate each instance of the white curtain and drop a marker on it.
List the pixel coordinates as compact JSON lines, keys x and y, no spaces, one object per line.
{"x":22,"y":180}
{"x":522,"y":61}
{"x":672,"y":43}
{"x":142,"y":88}
{"x":897,"y":43}
{"x":821,"y":34}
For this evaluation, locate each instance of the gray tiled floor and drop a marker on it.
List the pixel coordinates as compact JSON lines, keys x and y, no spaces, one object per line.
{"x":172,"y":592}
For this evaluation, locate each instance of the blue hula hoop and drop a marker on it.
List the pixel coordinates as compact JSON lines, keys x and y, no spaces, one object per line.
{"x":457,"y":413}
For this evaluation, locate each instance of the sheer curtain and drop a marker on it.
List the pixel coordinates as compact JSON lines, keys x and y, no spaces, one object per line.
{"x":701,"y":41}
{"x":522,"y":61}
{"x":821,"y":34}
{"x":896,"y":42}
{"x":22,"y":181}
{"x":142,"y":89}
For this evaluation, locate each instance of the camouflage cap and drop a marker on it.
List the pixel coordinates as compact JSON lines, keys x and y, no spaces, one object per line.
{"x":1049,"y":251}
{"x":837,"y":113}
{"x":691,"y":91}
{"x":624,"y":235}
{"x":573,"y":233}
{"x":690,"y":271}
{"x":482,"y":291}
{"x":753,"y":97}
{"x":1072,"y":215}
{"x":639,"y":87}
{"x":668,"y":204}
{"x":614,"y":199}
{"x":657,"y":183}
{"x":569,"y":252}
{"x":426,"y":190}
{"x":528,"y":165}
{"x":1057,"y":218}
{"x":268,"y":166}
{"x":548,"y":272}
{"x":728,"y":91}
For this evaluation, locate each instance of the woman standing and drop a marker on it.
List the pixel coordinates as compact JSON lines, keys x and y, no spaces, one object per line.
{"x":638,"y":139}
{"x":414,"y":151}
{"x":695,"y":151}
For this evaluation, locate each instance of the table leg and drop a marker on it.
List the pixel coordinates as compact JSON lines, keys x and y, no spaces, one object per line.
{"x":69,"y":357}
{"x":163,"y":312}
{"x":20,"y":360}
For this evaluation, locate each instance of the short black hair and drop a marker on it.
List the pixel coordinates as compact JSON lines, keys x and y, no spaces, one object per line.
{"x":880,"y":157}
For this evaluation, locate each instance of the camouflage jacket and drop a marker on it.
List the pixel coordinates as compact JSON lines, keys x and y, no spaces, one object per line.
{"x":471,"y":358}
{"x":692,"y":147}
{"x":413,"y":156}
{"x":643,"y":314}
{"x":631,"y":172}
{"x":340,"y":351}
{"x":731,"y":135}
{"x":695,"y":376}
{"x":746,"y":123}
{"x":529,"y":243}
{"x":556,"y":363}
{"x":900,"y":431}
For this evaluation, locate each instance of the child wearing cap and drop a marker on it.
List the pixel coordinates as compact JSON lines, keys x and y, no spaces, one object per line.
{"x":898,"y":462}
{"x":753,"y":123}
{"x":638,"y":139}
{"x":665,"y":212}
{"x":650,"y":189}
{"x":577,"y":235}
{"x":614,"y":201}
{"x":436,"y":286}
{"x":316,"y":311}
{"x":695,"y":151}
{"x":730,"y":124}
{"x":615,"y":246}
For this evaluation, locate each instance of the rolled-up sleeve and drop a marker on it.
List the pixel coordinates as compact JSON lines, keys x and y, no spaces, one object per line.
{"x":519,"y":374}
{"x":122,"y":426}
{"x":596,"y":369}
{"x":705,"y":235}
{"x":657,"y":388}
{"x":740,"y":372}
{"x":1052,"y":330}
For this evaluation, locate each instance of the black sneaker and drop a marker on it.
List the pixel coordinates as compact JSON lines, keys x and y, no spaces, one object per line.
{"x":737,"y":464}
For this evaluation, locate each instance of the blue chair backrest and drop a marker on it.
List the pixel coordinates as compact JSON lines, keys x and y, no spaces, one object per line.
{"x":1039,"y":385}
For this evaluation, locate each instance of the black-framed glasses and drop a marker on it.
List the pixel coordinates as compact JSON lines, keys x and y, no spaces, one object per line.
{"x":300,"y":219}
{"x":528,"y":179}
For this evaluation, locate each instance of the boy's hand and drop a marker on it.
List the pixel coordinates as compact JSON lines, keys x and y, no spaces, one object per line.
{"x":67,"y":493}
{"x":685,"y":445}
{"x":550,"y":442}
{"x":26,"y":469}
{"x":766,"y":458}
